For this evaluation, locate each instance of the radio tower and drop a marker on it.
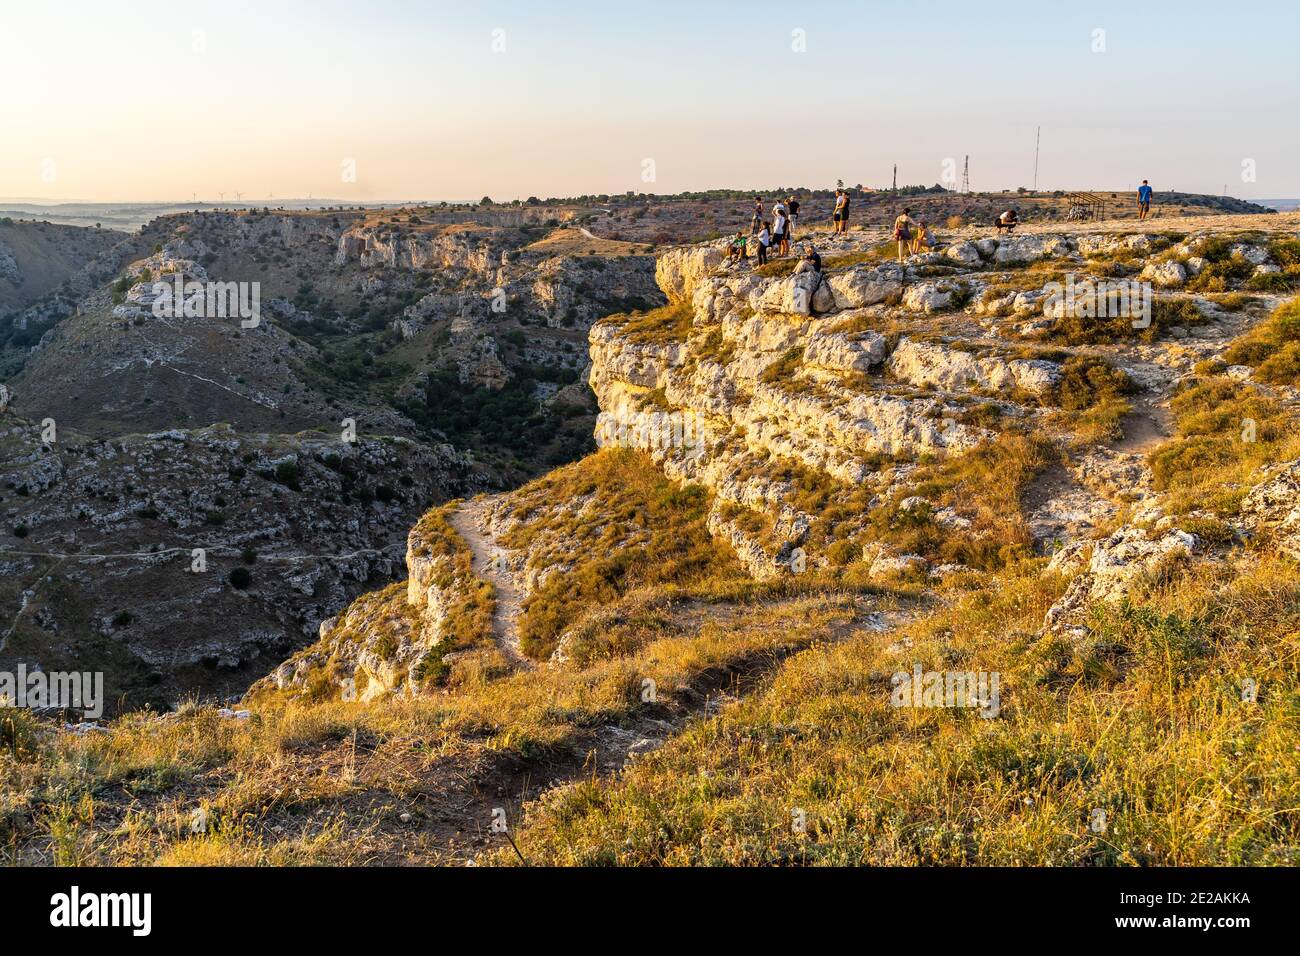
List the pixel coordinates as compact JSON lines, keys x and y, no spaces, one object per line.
{"x":965,"y":176}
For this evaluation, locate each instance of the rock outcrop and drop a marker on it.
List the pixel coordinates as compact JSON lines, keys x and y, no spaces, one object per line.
{"x":1274,"y":506}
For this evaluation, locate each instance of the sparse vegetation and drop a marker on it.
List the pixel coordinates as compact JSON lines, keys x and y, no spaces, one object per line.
{"x":1272,"y":347}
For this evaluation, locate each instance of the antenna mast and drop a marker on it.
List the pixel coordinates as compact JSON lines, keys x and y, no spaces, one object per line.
{"x":1037,"y":138}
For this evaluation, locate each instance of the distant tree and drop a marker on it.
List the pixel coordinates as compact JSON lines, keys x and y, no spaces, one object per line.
{"x":485,"y":201}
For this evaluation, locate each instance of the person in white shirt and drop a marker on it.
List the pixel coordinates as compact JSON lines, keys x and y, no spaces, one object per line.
{"x":764,"y":240}
{"x":781,"y":233}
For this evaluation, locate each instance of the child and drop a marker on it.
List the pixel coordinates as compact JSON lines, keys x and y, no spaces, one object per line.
{"x":922,"y":238}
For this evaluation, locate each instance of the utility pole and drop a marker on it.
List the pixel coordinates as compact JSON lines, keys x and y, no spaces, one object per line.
{"x":965,"y":176}
{"x":895,"y":177}
{"x":1037,"y":139}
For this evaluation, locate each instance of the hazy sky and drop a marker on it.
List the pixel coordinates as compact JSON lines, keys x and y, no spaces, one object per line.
{"x":143,"y":100}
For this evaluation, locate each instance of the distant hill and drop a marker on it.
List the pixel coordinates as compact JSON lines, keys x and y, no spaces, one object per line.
{"x":36,"y":257}
{"x":129,"y":217}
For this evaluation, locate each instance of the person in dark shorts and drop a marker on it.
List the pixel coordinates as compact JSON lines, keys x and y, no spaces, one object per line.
{"x":781,"y":231}
{"x":1007,"y":221}
{"x":764,"y":239}
{"x":1144,"y":200}
{"x":841,"y":216}
{"x":736,"y":248}
{"x":793,"y":205}
{"x":758,"y":215}
{"x":903,"y":231}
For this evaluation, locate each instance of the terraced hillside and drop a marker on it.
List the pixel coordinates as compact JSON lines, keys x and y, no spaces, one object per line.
{"x":394,"y":363}
{"x":692,"y":646}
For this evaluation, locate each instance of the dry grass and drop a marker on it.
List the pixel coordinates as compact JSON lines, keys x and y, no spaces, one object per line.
{"x":668,"y":323}
{"x":621,"y":526}
{"x":1272,"y":347}
{"x":1146,"y":723}
{"x":305,"y":782}
{"x":1225,"y":431}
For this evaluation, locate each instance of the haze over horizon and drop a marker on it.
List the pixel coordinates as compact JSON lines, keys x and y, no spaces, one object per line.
{"x":401,"y":99}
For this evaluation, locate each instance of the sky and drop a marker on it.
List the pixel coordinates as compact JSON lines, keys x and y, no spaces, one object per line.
{"x":397,"y":99}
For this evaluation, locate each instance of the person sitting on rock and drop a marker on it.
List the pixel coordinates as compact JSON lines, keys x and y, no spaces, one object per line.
{"x":811,"y":261}
{"x":921,"y":238}
{"x":1007,"y":221}
{"x":903,"y":231}
{"x":736,"y":248}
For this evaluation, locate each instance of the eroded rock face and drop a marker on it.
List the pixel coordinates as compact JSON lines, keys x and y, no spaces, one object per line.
{"x":382,"y":246}
{"x":928,"y":364}
{"x":9,"y":271}
{"x":311,"y":520}
{"x":1117,"y":563}
{"x":863,"y":286}
{"x":679,"y":271}
{"x":929,"y":297}
{"x":1165,"y":275}
{"x":844,"y":353}
{"x":761,"y":371}
{"x":1275,"y":505}
{"x":1021,"y":250}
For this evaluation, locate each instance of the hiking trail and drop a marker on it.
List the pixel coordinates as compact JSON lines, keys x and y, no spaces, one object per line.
{"x":468,"y":521}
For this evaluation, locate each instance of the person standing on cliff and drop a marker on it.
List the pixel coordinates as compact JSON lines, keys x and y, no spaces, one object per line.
{"x":1144,"y":200}
{"x":764,"y":239}
{"x":841,"y":215}
{"x":758,"y":214}
{"x":781,"y":231}
{"x":793,"y":205}
{"x":903,"y":231}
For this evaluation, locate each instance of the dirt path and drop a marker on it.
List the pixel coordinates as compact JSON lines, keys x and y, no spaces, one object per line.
{"x":1147,"y":426}
{"x":489,"y":564}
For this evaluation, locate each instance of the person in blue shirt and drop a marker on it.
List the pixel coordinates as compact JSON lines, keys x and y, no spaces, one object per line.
{"x":1144,"y":200}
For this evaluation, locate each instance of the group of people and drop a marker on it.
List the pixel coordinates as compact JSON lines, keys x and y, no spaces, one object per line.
{"x":778,"y":232}
{"x":912,"y":235}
